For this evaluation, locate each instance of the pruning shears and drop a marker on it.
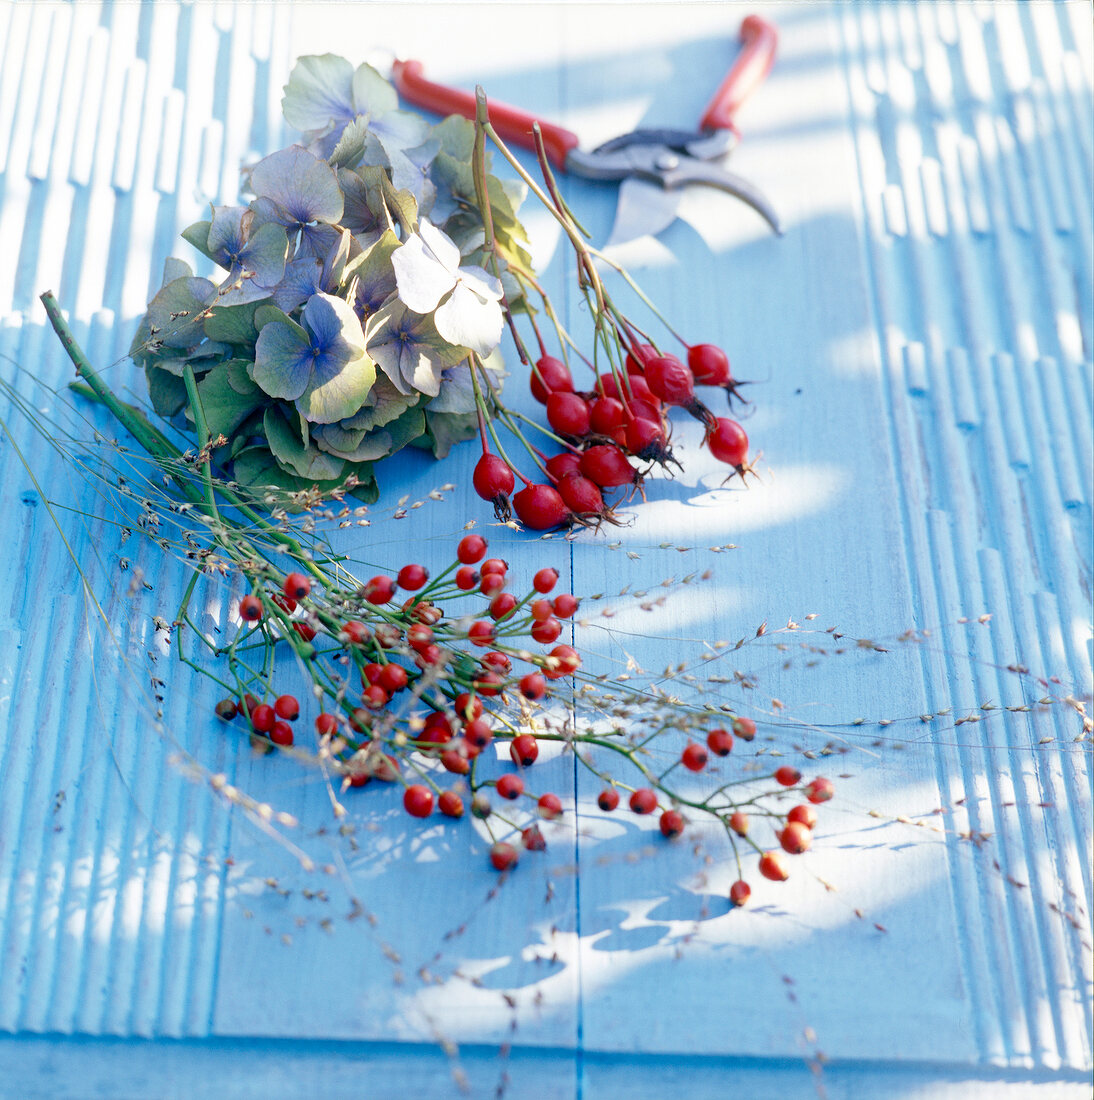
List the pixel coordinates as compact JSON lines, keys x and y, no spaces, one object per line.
{"x":654,"y":165}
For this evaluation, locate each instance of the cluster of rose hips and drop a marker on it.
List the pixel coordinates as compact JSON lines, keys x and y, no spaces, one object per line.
{"x":422,"y":693}
{"x":404,"y":698}
{"x":623,"y":419}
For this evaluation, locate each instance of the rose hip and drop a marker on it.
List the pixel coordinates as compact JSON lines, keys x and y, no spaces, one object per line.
{"x":643,"y":801}
{"x":607,"y":466}
{"x":727,"y":441}
{"x":296,"y":586}
{"x":540,"y":507}
{"x":608,"y":799}
{"x":471,"y":549}
{"x":524,"y":749}
{"x":493,"y":480}
{"x":551,"y":375}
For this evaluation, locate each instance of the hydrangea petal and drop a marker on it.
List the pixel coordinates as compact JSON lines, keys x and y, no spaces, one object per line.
{"x":228,"y":232}
{"x":486,"y":286}
{"x":470,"y":321}
{"x":372,"y":94}
{"x":264,"y":254}
{"x":440,"y":244}
{"x":335,"y":327}
{"x":457,"y":392}
{"x":304,"y":186}
{"x":400,"y":130}
{"x":319,"y":92}
{"x":336,"y":389}
{"x":422,"y":279}
{"x":300,"y":282}
{"x":283,"y":360}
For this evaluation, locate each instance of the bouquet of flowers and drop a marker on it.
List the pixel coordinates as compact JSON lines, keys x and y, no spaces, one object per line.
{"x":364,"y":293}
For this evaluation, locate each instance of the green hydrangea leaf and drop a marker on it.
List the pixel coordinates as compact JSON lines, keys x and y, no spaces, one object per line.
{"x":402,"y":204}
{"x":225,"y":407}
{"x":293,"y":456}
{"x":265,"y":313}
{"x":233,"y":324}
{"x":354,"y":446}
{"x":239,"y":376}
{"x":198,"y":235}
{"x":456,"y":136}
{"x":410,"y":426}
{"x":448,"y":429}
{"x":366,"y":490}
{"x":256,"y":470}
{"x":350,"y":150}
{"x":371,"y":275}
{"x":176,"y":313}
{"x":167,"y":391}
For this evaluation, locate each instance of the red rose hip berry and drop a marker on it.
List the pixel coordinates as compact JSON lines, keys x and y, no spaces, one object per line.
{"x":549,"y":806}
{"x":540,"y":507}
{"x":643,"y":801}
{"x":281,"y":734}
{"x":503,"y":856}
{"x":744,"y":728}
{"x":524,"y":749}
{"x":250,"y":609}
{"x":720,"y":742}
{"x":545,"y":580}
{"x":795,"y":838}
{"x":450,"y":804}
{"x":510,"y":786}
{"x":412,"y":577}
{"x":550,"y":375}
{"x":608,"y":799}
{"x":471,"y":549}
{"x":418,"y":800}
{"x":804,"y":815}
{"x":819,"y":790}
{"x":287,"y":707}
{"x":773,"y":866}
{"x":296,"y":586}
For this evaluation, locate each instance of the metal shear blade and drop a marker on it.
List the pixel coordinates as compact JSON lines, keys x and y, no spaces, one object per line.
{"x":667,"y":159}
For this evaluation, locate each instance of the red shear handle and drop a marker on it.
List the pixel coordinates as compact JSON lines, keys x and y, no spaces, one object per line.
{"x":511,"y":124}
{"x":754,"y":62}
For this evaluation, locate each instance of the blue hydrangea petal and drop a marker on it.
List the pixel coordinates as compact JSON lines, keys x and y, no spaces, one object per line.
{"x":301,"y":280}
{"x":304,"y":186}
{"x":372,"y":94}
{"x":319,"y":93}
{"x":334,"y":327}
{"x":284,"y":360}
{"x":228,"y":233}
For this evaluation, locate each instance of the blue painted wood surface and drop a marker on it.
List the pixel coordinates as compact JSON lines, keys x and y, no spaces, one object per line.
{"x":921,"y":338}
